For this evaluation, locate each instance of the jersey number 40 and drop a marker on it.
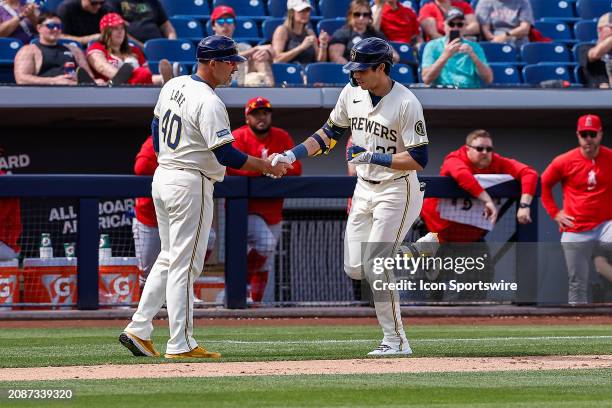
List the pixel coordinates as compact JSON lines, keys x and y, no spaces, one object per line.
{"x":171,"y":129}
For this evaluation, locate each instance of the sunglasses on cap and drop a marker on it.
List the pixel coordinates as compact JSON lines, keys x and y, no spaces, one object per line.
{"x":585,"y":135}
{"x":458,"y":24}
{"x":365,"y":15}
{"x":481,"y":149}
{"x":225,"y":20}
{"x":53,"y":26}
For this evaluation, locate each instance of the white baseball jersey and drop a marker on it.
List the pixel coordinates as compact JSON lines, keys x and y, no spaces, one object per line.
{"x":192,"y":122}
{"x":394,"y":125}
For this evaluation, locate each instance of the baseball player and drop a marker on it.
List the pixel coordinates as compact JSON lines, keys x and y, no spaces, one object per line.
{"x":389,"y":147}
{"x":191,"y":133}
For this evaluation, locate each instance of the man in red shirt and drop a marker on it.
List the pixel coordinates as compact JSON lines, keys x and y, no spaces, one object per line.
{"x":585,"y":174}
{"x":260,"y":139}
{"x":431,"y":17}
{"x":397,"y":22}
{"x":10,"y":227}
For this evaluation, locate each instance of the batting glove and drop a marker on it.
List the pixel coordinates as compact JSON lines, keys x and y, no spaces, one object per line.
{"x":358,"y":155}
{"x":287,"y":157}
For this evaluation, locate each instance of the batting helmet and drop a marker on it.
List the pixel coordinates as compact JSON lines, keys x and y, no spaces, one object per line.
{"x":369,"y":52}
{"x":218,"y":48}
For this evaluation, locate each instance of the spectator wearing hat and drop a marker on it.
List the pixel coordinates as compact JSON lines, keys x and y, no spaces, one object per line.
{"x":18,"y":19}
{"x":295,"y":40}
{"x":505,"y":21}
{"x":258,"y":69}
{"x":81,"y":19}
{"x":46,"y":62}
{"x":585,"y":219}
{"x":596,"y":61}
{"x":454,"y":61}
{"x":396,"y":21}
{"x":260,"y":139}
{"x":113,"y":55}
{"x":146,"y":19}
{"x":432,"y":18}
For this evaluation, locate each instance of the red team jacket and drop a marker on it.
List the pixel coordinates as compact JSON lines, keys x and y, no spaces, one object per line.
{"x":10,"y":221}
{"x":146,"y":163}
{"x":278,"y":140}
{"x":457,"y":165}
{"x":587,"y":188}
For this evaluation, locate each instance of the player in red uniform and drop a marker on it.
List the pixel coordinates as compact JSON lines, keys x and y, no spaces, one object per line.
{"x":585,"y":174}
{"x":10,"y":227}
{"x":260,"y":139}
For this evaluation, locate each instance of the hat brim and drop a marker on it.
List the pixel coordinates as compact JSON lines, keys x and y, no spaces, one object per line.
{"x":302,"y":7}
{"x":589,"y":129}
{"x":232,"y":58}
{"x":359,"y":66}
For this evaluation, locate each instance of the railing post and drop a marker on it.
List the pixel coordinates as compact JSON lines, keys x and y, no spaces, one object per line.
{"x":236,"y":216}
{"x":527,"y":259}
{"x":87,"y":254}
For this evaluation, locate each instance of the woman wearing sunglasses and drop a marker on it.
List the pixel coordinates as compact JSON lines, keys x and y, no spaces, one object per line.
{"x":18,"y":19}
{"x":358,"y":26}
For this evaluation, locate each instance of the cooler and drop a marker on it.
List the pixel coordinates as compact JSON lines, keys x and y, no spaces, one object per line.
{"x":9,"y":284}
{"x":210,"y":289}
{"x":118,"y":281}
{"x":51,"y":281}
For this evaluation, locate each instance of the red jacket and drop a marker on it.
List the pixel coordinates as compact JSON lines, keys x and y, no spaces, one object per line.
{"x":587,"y":188}
{"x":10,"y":221}
{"x":278,"y":140}
{"x":457,"y":165}
{"x":146,"y":163}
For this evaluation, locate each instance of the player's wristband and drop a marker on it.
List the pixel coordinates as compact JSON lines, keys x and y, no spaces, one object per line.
{"x":382,"y":159}
{"x":299,"y":152}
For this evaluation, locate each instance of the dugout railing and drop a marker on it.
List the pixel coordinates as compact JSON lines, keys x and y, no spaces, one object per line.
{"x":90,"y":189}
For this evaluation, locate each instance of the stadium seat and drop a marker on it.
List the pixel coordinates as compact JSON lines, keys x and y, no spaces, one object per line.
{"x":403,"y":74}
{"x":413,"y":4}
{"x":250,"y":8}
{"x":556,"y":30}
{"x":184,"y":68}
{"x":579,"y":49}
{"x":579,"y":75}
{"x":173,"y":50}
{"x":287,"y":74}
{"x":333,"y":8}
{"x":553,"y":9}
{"x":326,"y":73}
{"x":533,"y":53}
{"x":590,"y":9}
{"x":586,"y":30}
{"x":406,"y":53}
{"x":497,"y":52}
{"x":534,"y":74}
{"x":505,"y":74}
{"x":8,"y":50}
{"x":187,"y":28}
{"x":330,"y":25}
{"x":192,"y":8}
{"x":246,"y":30}
{"x":269,"y":25}
{"x":51,"y":5}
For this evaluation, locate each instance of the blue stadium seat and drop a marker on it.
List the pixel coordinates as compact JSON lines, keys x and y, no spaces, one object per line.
{"x":533,"y":53}
{"x":192,"y":8}
{"x":243,"y":8}
{"x":406,"y":53}
{"x":333,"y":8}
{"x":185,"y":68}
{"x":590,"y":9}
{"x":586,"y":30}
{"x":579,"y":75}
{"x":173,"y":50}
{"x":534,"y":74}
{"x":505,"y":74}
{"x":50,"y":5}
{"x":290,"y":74}
{"x":403,"y":74}
{"x":8,"y":50}
{"x":188,"y":28}
{"x":556,"y":30}
{"x":246,"y":30}
{"x":326,"y":73}
{"x":413,"y":4}
{"x":269,"y":25}
{"x":557,"y":9}
{"x":497,"y":52}
{"x":577,"y":49}
{"x":330,"y":25}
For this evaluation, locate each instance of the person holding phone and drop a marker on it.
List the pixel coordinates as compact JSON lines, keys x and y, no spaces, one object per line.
{"x":454,"y":61}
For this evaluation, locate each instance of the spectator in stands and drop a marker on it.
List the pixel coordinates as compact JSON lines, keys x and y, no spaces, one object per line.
{"x":295,"y":40}
{"x":432,"y":18}
{"x":358,"y":26}
{"x":585,"y":174}
{"x":455,"y":62}
{"x":10,"y":227}
{"x":113,"y":53}
{"x":81,"y":19}
{"x":260,"y":139}
{"x":260,"y":57}
{"x":147,"y":19}
{"x":46,"y":62}
{"x":505,"y":21}
{"x":596,"y":61}
{"x":18,"y":19}
{"x":397,"y":22}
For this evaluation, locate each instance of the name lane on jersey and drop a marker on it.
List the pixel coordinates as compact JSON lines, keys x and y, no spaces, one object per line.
{"x":178,"y":97}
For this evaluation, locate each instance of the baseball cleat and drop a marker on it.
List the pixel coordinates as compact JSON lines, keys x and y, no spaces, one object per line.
{"x":138,"y":346}
{"x":384,"y":350}
{"x":198,"y":352}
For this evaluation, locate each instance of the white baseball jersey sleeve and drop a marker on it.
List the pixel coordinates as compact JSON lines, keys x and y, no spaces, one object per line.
{"x":192,"y":122}
{"x":394,"y":125}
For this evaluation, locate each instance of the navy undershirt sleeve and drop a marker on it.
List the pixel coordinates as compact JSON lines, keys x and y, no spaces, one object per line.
{"x":229,"y":156}
{"x":420,"y":154}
